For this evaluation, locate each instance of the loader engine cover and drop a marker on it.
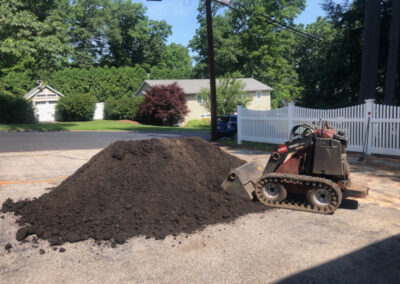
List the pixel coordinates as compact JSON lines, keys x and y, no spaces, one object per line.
{"x":329,"y":157}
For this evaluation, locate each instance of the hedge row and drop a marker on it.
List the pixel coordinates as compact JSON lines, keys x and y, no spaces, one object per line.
{"x":15,"y":110}
{"x":101,"y":82}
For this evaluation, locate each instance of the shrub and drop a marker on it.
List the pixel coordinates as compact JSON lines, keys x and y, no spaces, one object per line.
{"x":123,"y":108}
{"x":164,"y":105}
{"x":230,"y":92}
{"x":76,"y":107}
{"x":15,"y":110}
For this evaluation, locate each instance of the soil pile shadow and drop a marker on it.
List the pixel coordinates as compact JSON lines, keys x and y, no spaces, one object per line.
{"x":153,"y":187}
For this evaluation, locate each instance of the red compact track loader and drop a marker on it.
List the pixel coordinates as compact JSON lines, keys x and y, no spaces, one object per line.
{"x":310,"y":172}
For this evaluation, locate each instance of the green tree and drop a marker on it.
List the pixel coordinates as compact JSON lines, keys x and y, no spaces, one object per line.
{"x":17,"y":83}
{"x":175,"y":56}
{"x":175,"y":64}
{"x":33,"y":36}
{"x":230,"y":93}
{"x":86,"y":28}
{"x":246,"y":42}
{"x":330,"y":69}
{"x":132,"y":38}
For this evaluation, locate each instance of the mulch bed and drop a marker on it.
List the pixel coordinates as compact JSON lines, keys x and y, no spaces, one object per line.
{"x":129,"y":121}
{"x":151,"y":188}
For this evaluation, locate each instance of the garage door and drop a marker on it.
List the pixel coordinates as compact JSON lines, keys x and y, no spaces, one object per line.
{"x":45,"y":111}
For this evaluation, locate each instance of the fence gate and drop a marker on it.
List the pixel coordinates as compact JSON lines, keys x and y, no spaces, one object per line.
{"x":273,"y":126}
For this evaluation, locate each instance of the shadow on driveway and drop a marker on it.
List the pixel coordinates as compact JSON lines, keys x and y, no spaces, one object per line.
{"x":376,"y":263}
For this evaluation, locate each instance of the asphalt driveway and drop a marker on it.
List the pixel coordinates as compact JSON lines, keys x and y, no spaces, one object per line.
{"x":45,"y":141}
{"x":351,"y":246}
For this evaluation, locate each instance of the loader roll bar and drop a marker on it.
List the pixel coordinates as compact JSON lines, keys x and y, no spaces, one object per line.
{"x":307,"y":127}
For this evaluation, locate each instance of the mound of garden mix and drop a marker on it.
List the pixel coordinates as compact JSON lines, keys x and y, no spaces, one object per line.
{"x":153,"y":188}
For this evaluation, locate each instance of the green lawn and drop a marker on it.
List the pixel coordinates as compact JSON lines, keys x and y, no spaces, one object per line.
{"x":96,"y":125}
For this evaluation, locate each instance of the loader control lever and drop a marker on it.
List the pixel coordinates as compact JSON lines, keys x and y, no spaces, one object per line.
{"x":307,"y":131}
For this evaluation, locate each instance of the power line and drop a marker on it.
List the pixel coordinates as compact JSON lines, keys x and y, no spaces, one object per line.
{"x":274,"y":22}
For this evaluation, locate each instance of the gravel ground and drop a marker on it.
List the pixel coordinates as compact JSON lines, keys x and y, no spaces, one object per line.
{"x":350,"y":246}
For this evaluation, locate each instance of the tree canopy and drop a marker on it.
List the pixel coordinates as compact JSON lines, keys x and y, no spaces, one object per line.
{"x":108,"y":47}
{"x":330,"y":70}
{"x":246,"y":43}
{"x":103,"y":47}
{"x":323,"y":74}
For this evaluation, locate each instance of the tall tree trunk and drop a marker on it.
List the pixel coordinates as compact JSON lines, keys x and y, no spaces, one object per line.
{"x":370,"y":57}
{"x":393,"y":58}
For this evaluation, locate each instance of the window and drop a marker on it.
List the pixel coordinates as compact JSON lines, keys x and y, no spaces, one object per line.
{"x":199,"y":99}
{"x":258,"y":95}
{"x":41,"y":96}
{"x":40,"y":103}
{"x":51,"y":95}
{"x":52,"y":102}
{"x":205,"y":115}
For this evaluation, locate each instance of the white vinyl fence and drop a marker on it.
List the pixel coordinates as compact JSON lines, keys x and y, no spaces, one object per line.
{"x":273,"y":126}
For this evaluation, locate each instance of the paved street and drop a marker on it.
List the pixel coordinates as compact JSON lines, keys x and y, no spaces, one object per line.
{"x":45,"y":141}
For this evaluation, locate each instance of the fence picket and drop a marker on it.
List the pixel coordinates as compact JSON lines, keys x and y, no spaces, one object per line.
{"x":273,"y":126}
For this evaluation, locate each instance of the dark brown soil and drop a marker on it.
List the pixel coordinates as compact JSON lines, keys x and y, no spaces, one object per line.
{"x":154,"y":188}
{"x":7,"y":247}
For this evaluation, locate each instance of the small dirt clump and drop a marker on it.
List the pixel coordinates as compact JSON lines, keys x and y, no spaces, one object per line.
{"x":153,"y":188}
{"x":8,"y":247}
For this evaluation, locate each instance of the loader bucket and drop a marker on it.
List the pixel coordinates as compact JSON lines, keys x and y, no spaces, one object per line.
{"x":240,"y":181}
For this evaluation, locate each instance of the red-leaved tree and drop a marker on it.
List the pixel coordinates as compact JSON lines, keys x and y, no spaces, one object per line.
{"x":164,"y":105}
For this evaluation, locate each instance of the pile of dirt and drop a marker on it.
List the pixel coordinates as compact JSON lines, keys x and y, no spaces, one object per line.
{"x":153,"y":187}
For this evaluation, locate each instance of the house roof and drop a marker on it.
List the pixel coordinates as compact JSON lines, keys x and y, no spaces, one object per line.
{"x":194,"y":86}
{"x":39,"y":88}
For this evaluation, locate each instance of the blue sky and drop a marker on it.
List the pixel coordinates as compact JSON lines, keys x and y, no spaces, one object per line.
{"x":181,"y":15}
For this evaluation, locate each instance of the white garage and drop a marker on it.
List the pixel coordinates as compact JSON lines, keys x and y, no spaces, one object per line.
{"x":44,"y":99}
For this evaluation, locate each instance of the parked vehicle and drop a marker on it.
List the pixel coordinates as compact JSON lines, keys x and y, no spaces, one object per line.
{"x":227,"y":126}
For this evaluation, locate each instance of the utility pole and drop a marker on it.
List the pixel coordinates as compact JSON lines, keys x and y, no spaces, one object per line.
{"x":391,"y":71}
{"x":370,"y":53}
{"x":211,"y":64}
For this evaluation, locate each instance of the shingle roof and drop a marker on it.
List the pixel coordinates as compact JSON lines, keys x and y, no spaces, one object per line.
{"x":194,"y":86}
{"x":37,"y":89}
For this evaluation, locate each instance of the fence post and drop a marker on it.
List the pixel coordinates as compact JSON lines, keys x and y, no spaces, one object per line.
{"x":239,"y":124}
{"x":369,"y":109}
{"x":291,"y":106}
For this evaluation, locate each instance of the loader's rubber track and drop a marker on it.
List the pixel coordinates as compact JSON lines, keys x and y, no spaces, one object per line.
{"x":309,"y":181}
